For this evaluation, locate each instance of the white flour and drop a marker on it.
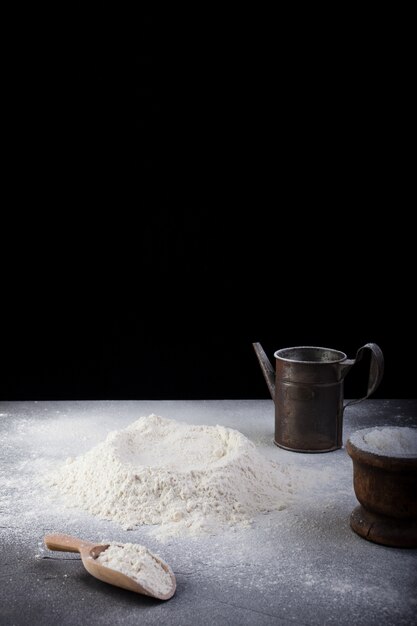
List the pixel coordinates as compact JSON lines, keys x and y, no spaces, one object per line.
{"x":387,"y":441}
{"x":186,"y":479}
{"x":139,"y":563}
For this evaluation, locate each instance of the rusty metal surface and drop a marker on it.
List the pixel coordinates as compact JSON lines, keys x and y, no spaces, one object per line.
{"x":307,"y":388}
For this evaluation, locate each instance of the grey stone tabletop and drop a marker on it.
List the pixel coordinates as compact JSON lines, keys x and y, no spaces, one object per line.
{"x":301,"y":565}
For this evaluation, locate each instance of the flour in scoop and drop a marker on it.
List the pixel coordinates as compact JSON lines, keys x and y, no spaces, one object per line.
{"x":184,"y":479}
{"x":396,"y":441}
{"x":138,"y":563}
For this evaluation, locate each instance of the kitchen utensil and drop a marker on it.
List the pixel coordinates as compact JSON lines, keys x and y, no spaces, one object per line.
{"x":89,"y":553}
{"x":307,"y":388}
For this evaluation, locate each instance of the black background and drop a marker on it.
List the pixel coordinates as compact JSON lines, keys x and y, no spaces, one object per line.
{"x":175,"y":194}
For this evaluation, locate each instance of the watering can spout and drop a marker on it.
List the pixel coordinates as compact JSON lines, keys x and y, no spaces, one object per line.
{"x":267,"y":369}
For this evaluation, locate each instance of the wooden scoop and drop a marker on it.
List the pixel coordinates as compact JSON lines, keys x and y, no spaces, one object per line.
{"x":89,"y":553}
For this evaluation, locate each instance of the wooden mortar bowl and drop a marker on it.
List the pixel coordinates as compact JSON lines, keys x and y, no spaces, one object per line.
{"x":386,"y":487}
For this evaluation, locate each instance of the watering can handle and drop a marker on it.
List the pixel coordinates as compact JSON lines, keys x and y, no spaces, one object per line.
{"x":376,"y":370}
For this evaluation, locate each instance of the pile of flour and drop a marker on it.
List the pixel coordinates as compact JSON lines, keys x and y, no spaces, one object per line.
{"x":141,"y":565}
{"x":186,"y":479}
{"x":387,"y":441}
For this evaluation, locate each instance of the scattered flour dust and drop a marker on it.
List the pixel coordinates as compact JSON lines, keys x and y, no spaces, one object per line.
{"x":141,"y":564}
{"x":387,"y":441}
{"x":186,"y":479}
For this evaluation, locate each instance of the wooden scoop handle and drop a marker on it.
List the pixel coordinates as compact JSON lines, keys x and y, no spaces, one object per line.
{"x":66,"y":543}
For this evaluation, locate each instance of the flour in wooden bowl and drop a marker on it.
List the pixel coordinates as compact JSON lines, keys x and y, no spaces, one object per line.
{"x":185,"y":479}
{"x":392,"y":441}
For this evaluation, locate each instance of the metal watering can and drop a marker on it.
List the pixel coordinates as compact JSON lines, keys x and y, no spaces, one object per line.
{"x":307,"y":388}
